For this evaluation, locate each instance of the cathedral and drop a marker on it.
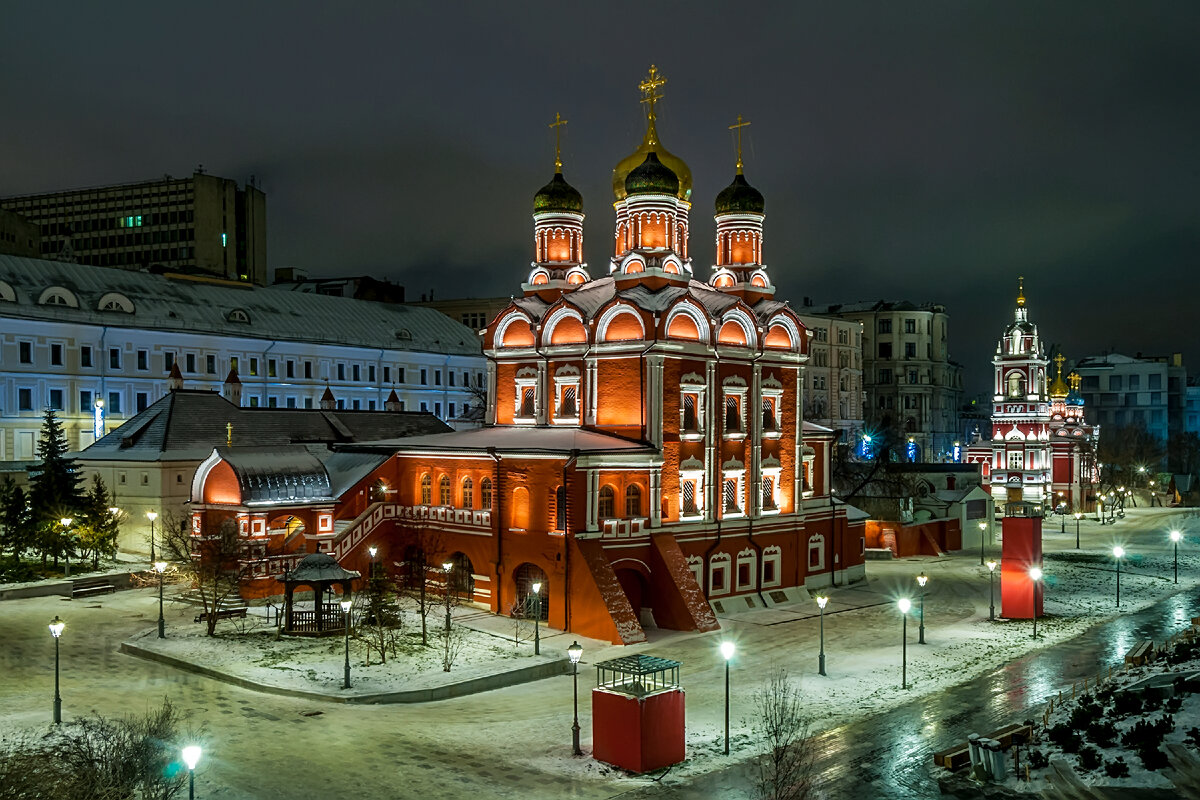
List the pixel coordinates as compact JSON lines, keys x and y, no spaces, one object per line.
{"x":644,"y":462}
{"x":1042,"y":450}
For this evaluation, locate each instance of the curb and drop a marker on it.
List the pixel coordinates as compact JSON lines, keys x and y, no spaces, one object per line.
{"x":484,"y":683}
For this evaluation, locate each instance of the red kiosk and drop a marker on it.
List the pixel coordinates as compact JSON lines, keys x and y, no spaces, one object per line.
{"x":637,"y":713}
{"x":1022,"y":532}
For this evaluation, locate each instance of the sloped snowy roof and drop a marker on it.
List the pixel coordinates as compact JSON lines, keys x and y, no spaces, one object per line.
{"x":171,"y":304}
{"x":517,"y":438}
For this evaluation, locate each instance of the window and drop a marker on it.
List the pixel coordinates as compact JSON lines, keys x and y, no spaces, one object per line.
{"x":691,"y":417}
{"x":1114,"y":383}
{"x":254,"y":402}
{"x":56,"y":351}
{"x":718,"y":574}
{"x":450,"y":377}
{"x":444,"y":494}
{"x":371,"y":373}
{"x":26,"y":352}
{"x":468,"y":493}
{"x":426,"y":490}
{"x":465,"y":377}
{"x":308,"y":402}
{"x":25,"y":399}
{"x":689,"y":497}
{"x":733,"y":414}
{"x":1135,"y":382}
{"x":141,"y":401}
{"x":606,"y":506}
{"x":885,"y":349}
{"x":770,"y":419}
{"x":437,"y":377}
{"x":730,"y":493}
{"x":567,"y":406}
{"x":56,"y":399}
{"x":816,"y":553}
{"x":387,"y":374}
{"x":1155,"y":381}
{"x":289,"y":368}
{"x":424,"y":379}
{"x":210,"y":365}
{"x":271,"y":368}
{"x":1016,"y":460}
{"x":85,"y":402}
{"x":768,"y":493}
{"x":190,"y":361}
{"x":85,"y":356}
{"x":308,"y":370}
{"x":885,"y":326}
{"x":291,"y":402}
{"x":114,"y":402}
{"x":843,"y":336}
{"x":528,"y":401}
{"x":485,"y":494}
{"x":450,"y":415}
{"x":253,"y":366}
{"x":910,"y":326}
{"x":910,"y":350}
{"x":272,"y":401}
{"x":341,"y":372}
{"x":633,"y":500}
{"x":885,"y":376}
{"x":356,"y":373}
{"x":912,"y":377}
{"x":437,"y":410}
{"x":168,"y":361}
{"x":560,"y":508}
{"x":399,"y":374}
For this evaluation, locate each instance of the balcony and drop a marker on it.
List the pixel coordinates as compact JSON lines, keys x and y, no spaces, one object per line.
{"x":474,"y":517}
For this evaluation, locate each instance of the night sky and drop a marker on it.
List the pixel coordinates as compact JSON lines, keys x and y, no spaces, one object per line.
{"x":924,"y":151}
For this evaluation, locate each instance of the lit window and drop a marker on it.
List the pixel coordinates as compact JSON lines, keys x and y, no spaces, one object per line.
{"x":485,"y":494}
{"x":426,"y":490}
{"x":468,"y":493}
{"x":444,"y":493}
{"x":633,"y":500}
{"x":606,"y":508}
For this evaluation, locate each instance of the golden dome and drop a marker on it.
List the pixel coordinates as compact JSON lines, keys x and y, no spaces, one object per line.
{"x":1059,"y":388}
{"x":634,"y":160}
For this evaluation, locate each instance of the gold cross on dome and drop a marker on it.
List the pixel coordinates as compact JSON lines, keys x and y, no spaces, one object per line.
{"x":1021,"y":290}
{"x":558,"y":123}
{"x":648,"y":88}
{"x":1058,"y":360}
{"x":738,"y":127}
{"x":229,"y":434}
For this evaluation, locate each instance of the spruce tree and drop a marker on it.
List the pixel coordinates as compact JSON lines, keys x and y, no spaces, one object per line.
{"x":16,"y":532}
{"x":54,"y":491}
{"x":97,"y":526}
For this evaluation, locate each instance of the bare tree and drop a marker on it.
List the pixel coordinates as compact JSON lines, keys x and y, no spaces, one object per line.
{"x":211,"y":558}
{"x":785,"y":766}
{"x":381,"y":620}
{"x":518,"y":612}
{"x":420,"y":548}
{"x":453,"y":638}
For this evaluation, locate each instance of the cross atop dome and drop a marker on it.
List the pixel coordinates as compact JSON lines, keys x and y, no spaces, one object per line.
{"x":556,"y":126}
{"x":738,"y":127}
{"x":648,"y":88}
{"x":1021,"y":290}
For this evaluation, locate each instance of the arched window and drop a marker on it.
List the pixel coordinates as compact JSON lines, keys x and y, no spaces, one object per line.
{"x":485,"y":494}
{"x":606,"y":502}
{"x":445,"y":496}
{"x":462,"y":578}
{"x":426,"y":490}
{"x":468,"y":493}
{"x":520,"y":508}
{"x":1016,"y":385}
{"x":633,"y":500}
{"x":531,"y":604}
{"x":239,"y":315}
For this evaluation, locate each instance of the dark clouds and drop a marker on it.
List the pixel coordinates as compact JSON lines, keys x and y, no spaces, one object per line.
{"x":928,"y":151}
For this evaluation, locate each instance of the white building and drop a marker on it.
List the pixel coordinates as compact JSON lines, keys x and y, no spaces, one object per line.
{"x":833,"y":378}
{"x":97,"y":344}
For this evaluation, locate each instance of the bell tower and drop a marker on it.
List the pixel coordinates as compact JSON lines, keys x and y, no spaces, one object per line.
{"x":739,"y":217}
{"x":557,"y":231}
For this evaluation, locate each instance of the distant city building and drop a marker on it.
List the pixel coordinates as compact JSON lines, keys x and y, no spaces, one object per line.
{"x":360,"y":287}
{"x":1124,"y":390}
{"x":910,"y":383}
{"x":18,"y":236}
{"x":473,"y":312}
{"x":200,"y":225}
{"x":97,"y":345}
{"x":1191,"y":421}
{"x":833,"y":378}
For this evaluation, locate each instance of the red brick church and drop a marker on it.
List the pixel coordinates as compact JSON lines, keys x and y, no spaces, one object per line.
{"x":644,"y":458}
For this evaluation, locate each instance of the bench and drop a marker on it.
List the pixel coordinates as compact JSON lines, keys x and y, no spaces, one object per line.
{"x":89,"y":586}
{"x":1140,"y":653}
{"x":233,"y":612}
{"x":953,"y":759}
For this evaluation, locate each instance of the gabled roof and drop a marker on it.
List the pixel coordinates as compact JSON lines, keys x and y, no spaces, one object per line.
{"x":185,"y":425}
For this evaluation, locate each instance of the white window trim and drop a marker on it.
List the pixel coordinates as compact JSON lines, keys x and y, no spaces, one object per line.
{"x":698,"y":393}
{"x":746,"y":557}
{"x":719,"y":560}
{"x":739,"y":475}
{"x":561,"y":383}
{"x":773,"y":555}
{"x":740,"y":393}
{"x":696,"y":475}
{"x":775,"y":395}
{"x":810,"y":468}
{"x":523,"y":382}
{"x":815,"y":542}
{"x":774,"y":474}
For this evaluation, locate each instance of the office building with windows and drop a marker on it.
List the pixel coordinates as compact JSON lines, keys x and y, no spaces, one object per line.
{"x":98,"y":344}
{"x":18,"y":236}
{"x":201,"y":225}
{"x":1136,"y":390}
{"x":833,"y":378}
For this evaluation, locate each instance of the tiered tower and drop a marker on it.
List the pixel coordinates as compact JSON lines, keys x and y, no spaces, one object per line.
{"x":739,"y":217}
{"x":557,"y":230}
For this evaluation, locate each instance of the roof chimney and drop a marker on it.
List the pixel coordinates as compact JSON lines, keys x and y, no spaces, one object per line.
{"x":175,"y":378}
{"x":392,"y":403}
{"x":232,"y":390}
{"x":328,"y":401}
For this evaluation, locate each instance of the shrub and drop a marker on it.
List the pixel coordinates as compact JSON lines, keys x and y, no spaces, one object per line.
{"x":1038,"y":759}
{"x":1193,"y":737}
{"x":1184,"y":651}
{"x":1117,"y":768}
{"x":1152,"y":756}
{"x":1085,"y":713}
{"x":1141,"y":733}
{"x":1103,"y":734}
{"x":1164,"y":725}
{"x":1151,"y":701}
{"x":1066,"y":737}
{"x":1089,"y":758}
{"x":1126,"y":703}
{"x":1173,"y":704}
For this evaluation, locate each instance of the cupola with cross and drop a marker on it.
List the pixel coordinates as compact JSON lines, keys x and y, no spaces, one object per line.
{"x":557,"y":230}
{"x":739,"y":217}
{"x":1020,"y":359}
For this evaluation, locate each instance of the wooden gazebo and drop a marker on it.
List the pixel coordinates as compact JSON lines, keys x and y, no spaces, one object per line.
{"x":319,"y":572}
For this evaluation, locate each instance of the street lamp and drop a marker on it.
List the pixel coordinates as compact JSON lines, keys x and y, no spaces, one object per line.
{"x":727,"y":649}
{"x":904,"y":605}
{"x":1078,"y":516}
{"x":1175,"y":537}
{"x":821,"y":602}
{"x":152,"y":515}
{"x":982,"y":529}
{"x":1100,"y":509}
{"x":921,"y":581}
{"x":537,"y":616}
{"x":345,"y":604}
{"x":1036,"y":574}
{"x":160,"y":567}
{"x":56,"y":629}
{"x":372,"y":550}
{"x":1118,"y":552}
{"x":991,"y":565}
{"x":1063,"y":529}
{"x":66,"y":523}
{"x":575,"y":652}
{"x":191,"y":757}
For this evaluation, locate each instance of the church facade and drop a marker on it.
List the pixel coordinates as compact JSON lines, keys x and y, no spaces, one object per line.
{"x":645,"y":460}
{"x":1042,"y":448}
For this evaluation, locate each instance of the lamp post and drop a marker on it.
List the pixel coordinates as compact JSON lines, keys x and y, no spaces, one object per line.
{"x":1036,"y":574}
{"x":821,"y":602}
{"x":1058,"y":508}
{"x":152,"y":515}
{"x":56,"y":629}
{"x":372,"y":550}
{"x":922,"y":579}
{"x":1078,"y":516}
{"x":446,"y":567}
{"x":537,"y":617}
{"x":991,"y":565}
{"x":1117,"y":553}
{"x":575,"y":652}
{"x":1175,"y":537}
{"x":727,"y":650}
{"x":66,"y":523}
{"x":1100,"y":510}
{"x":904,"y":605}
{"x":982,"y":530}
{"x":160,"y":567}
{"x":191,"y":757}
{"x":346,"y":615}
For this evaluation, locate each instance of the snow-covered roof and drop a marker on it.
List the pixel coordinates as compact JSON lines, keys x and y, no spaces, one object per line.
{"x":517,"y":438}
{"x":171,"y":304}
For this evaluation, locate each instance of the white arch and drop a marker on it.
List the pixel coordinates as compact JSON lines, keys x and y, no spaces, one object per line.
{"x":115,"y":301}
{"x":789,"y":325}
{"x":675,"y":261}
{"x":557,"y":317}
{"x":632,"y":257}
{"x":747,"y":325}
{"x":201,"y":475}
{"x":502,"y":328}
{"x":58,"y":296}
{"x":7,"y":293}
{"x":698,"y":316}
{"x":536,"y":272}
{"x":608,"y":316}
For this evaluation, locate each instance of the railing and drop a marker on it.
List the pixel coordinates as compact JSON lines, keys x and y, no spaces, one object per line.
{"x":308,"y":621}
{"x":272,"y":566}
{"x":365,"y":523}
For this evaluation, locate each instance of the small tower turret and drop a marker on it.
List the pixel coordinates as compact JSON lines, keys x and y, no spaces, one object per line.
{"x":739,"y":217}
{"x":557,"y":230}
{"x":232,"y":389}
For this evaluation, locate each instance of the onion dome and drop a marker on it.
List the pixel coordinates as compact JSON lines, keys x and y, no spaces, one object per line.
{"x":650,"y":145}
{"x":1058,"y":387}
{"x":652,"y":177}
{"x":1074,"y":398}
{"x":740,"y":197}
{"x":558,"y":195}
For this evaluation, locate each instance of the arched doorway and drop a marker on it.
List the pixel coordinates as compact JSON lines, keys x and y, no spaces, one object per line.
{"x":636,"y":589}
{"x":525,"y":576}
{"x":462,"y":579}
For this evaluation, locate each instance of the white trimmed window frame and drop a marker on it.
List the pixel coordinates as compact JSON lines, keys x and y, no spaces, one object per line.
{"x":524,"y":381}
{"x":564,"y":378}
{"x":775,"y":398}
{"x":740,"y":393}
{"x":816,"y":543}
{"x":737,"y":474}
{"x":747,"y":558}
{"x":774,"y":474}
{"x":696,"y":392}
{"x":696,"y":477}
{"x":722,"y":562}
{"x":696,"y":565}
{"x":810,"y":473}
{"x":774,"y":556}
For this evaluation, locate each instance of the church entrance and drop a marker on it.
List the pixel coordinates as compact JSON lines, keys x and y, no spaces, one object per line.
{"x":637,"y":590}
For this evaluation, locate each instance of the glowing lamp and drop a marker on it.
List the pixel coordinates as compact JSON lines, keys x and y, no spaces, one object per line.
{"x":1118,"y":551}
{"x":821,"y":601}
{"x":114,"y":510}
{"x":152,"y":515}
{"x":191,"y":755}
{"x":991,"y":565}
{"x":904,"y":605}
{"x":727,"y":649}
{"x":1035,"y":573}
{"x":1176,"y":536}
{"x":575,"y":652}
{"x":160,"y":567}
{"x":372,"y":550}
{"x":66,"y":521}
{"x":922,"y":579}
{"x":345,"y":604}
{"x":56,"y":627}
{"x":537,"y":588}
{"x":447,"y":566}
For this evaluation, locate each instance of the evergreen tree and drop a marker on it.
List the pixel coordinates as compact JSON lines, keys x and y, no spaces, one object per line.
{"x":16,"y":533}
{"x":97,"y":526}
{"x":54,"y":491}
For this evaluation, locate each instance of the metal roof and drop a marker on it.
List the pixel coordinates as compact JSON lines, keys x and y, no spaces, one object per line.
{"x":174,"y":304}
{"x":517,"y":438}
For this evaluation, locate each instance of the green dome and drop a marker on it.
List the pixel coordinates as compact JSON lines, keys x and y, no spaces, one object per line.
{"x":558,"y":195}
{"x":652,"y":177}
{"x":740,"y":196}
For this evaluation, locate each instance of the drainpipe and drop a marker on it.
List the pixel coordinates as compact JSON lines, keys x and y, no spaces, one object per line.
{"x":497,"y":496}
{"x":718,"y":505}
{"x":570,"y":462}
{"x":756,"y":496}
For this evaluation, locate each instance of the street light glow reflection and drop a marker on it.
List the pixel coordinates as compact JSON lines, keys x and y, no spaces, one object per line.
{"x":727,"y":649}
{"x":191,"y":755}
{"x":904,"y":605}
